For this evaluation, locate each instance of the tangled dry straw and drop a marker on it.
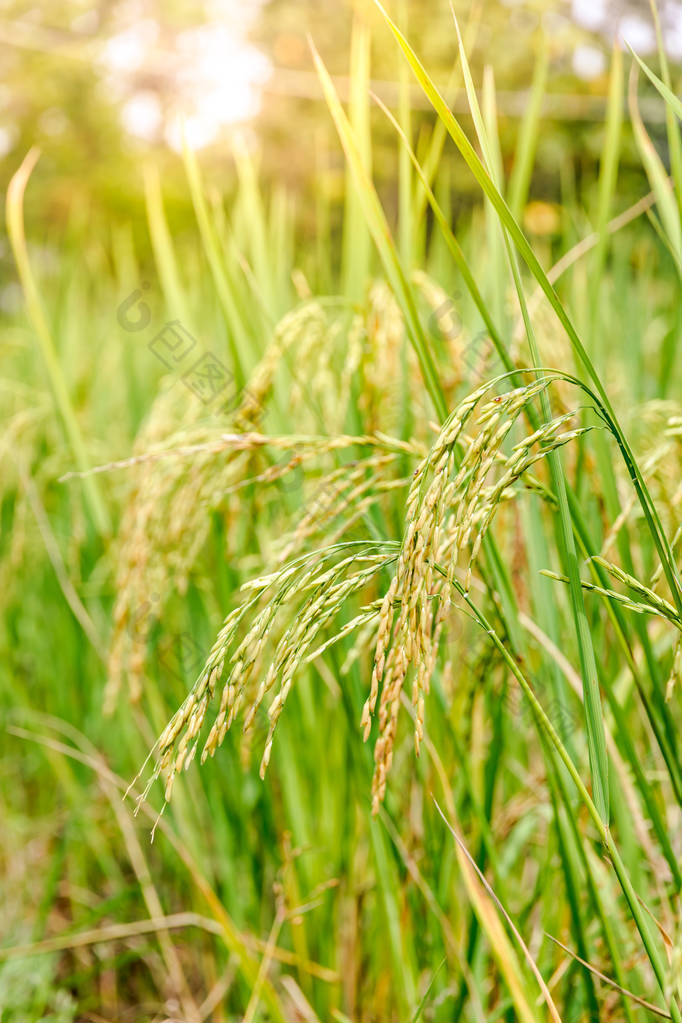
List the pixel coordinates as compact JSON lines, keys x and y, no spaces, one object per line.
{"x":289,"y":616}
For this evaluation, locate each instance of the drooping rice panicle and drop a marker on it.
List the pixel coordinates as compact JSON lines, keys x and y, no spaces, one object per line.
{"x":312,"y":589}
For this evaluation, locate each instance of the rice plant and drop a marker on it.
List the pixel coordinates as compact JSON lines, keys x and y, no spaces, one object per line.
{"x":427,"y":557}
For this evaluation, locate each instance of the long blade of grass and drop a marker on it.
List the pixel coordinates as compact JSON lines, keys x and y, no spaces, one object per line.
{"x":594,"y":721}
{"x":570,"y":849}
{"x":381,"y":234}
{"x":486,"y":128}
{"x":356,"y":237}
{"x":453,"y":245}
{"x":607,"y":980}
{"x":264,"y":255}
{"x":666,"y":92}
{"x":671,"y":125}
{"x":162,"y":245}
{"x":434,"y":150}
{"x":658,"y":178}
{"x":387,"y":884}
{"x":608,"y":172}
{"x":405,"y":206}
{"x":38,"y":318}
{"x":637,"y":909}
{"x":422,"y":1004}
{"x":567,"y":825}
{"x":607,"y":184}
{"x":519,"y":181}
{"x":235,"y":331}
{"x":488,"y":888}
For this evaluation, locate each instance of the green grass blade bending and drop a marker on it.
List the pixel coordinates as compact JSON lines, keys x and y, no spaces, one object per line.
{"x":666,"y":92}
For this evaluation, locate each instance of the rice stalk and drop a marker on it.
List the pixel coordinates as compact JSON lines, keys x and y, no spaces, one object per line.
{"x":453,"y":497}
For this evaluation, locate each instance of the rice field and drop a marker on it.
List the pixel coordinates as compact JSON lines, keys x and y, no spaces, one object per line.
{"x":340,"y":577}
